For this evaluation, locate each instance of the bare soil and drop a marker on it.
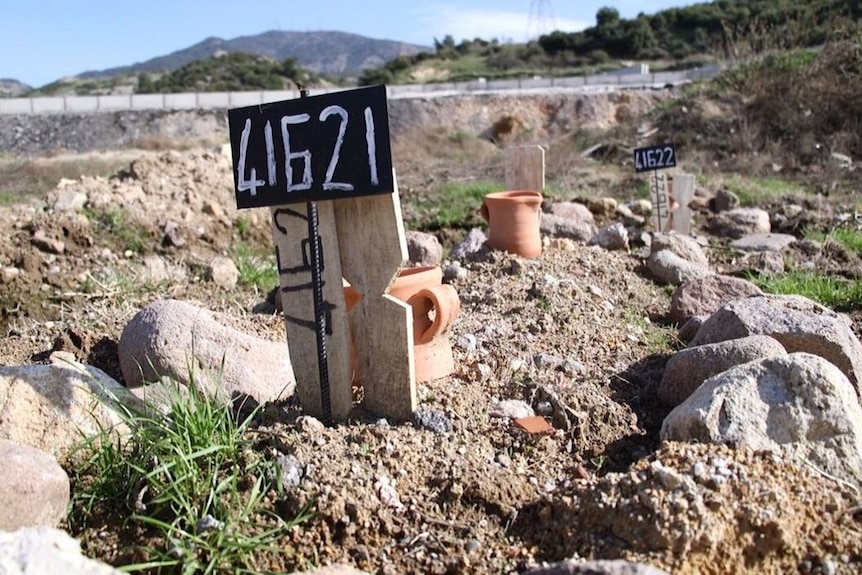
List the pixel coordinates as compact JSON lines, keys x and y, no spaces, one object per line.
{"x":484,"y":497}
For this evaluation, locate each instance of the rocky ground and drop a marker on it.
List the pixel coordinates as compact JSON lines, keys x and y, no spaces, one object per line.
{"x":580,"y":334}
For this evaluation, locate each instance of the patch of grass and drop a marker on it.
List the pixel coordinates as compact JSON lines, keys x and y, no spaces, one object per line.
{"x":116,"y":222}
{"x":256,"y":268}
{"x":752,"y":191}
{"x":833,"y":292}
{"x":456,"y":206}
{"x":189,"y":478}
{"x":654,"y":338}
{"x":850,"y":239}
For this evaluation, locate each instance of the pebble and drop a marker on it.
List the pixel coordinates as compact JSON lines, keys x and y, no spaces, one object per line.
{"x":511,"y":408}
{"x":454,"y":273}
{"x":472,"y":545}
{"x":571,"y":367}
{"x":208,"y":523}
{"x":309,"y":424}
{"x":547,"y":361}
{"x":517,"y":365}
{"x":291,"y":471}
{"x":467,"y":342}
{"x":432,"y":420}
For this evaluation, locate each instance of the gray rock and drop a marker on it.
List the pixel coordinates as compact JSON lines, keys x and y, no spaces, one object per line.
{"x":222,"y":271}
{"x":670,"y":268}
{"x":629,"y":218}
{"x":424,"y":249}
{"x":613,"y":237}
{"x":46,"y":551}
{"x":689,"y":329}
{"x":571,"y":211}
{"x":764,"y":263}
{"x":34,"y":489}
{"x":798,"y":323}
{"x":685,"y":247}
{"x":741,"y":222}
{"x":689,"y":368}
{"x":604,"y":567}
{"x":291,"y":471}
{"x":432,"y":420}
{"x":763,"y":242}
{"x":155,"y":270}
{"x":559,"y":227}
{"x":454,"y":273}
{"x":54,"y":407}
{"x":68,"y":200}
{"x":800,"y":405}
{"x":50,"y":245}
{"x":724,"y":200}
{"x":547,"y":361}
{"x":705,"y":295}
{"x":471,"y":246}
{"x":162,"y":338}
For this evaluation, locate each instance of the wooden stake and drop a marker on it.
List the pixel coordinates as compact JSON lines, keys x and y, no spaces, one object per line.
{"x":525,"y":168}
{"x":373,"y":251}
{"x":682,"y":192}
{"x":290,"y":234}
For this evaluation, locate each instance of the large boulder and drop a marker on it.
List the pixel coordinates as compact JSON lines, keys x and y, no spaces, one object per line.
{"x":54,"y":407}
{"x":46,"y":551}
{"x":797,"y":322}
{"x":800,"y":405}
{"x":170,"y":342}
{"x":34,"y":489}
{"x":689,"y":368}
{"x":706,"y":295}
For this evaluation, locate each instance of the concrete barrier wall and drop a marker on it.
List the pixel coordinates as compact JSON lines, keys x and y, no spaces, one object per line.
{"x":216,"y":100}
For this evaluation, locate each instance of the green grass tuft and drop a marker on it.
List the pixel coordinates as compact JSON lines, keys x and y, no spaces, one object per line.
{"x":188,"y":477}
{"x":456,"y":206}
{"x":256,"y":267}
{"x":850,"y":239}
{"x":833,"y":292}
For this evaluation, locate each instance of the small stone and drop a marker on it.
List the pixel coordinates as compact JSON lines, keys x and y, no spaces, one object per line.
{"x":471,"y":246}
{"x":517,"y":365}
{"x":512,"y":408}
{"x":432,"y":420}
{"x":291,"y":471}
{"x":472,"y":545}
{"x":564,"y":244}
{"x":544,"y":408}
{"x":213,"y":208}
{"x":547,"y":361}
{"x":42,"y":242}
{"x":9,"y":274}
{"x":222,"y":271}
{"x":454,"y":272}
{"x":208,"y":523}
{"x":309,"y":424}
{"x":571,"y":367}
{"x":171,"y":236}
{"x":613,"y":237}
{"x":467,"y":342}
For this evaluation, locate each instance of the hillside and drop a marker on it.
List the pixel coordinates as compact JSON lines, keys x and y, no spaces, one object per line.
{"x":12,"y":88}
{"x":333,"y":53}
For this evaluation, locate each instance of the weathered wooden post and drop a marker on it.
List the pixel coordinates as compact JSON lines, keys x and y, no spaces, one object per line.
{"x":525,"y":168}
{"x":332,"y":152}
{"x":656,"y":158}
{"x":682,"y":192}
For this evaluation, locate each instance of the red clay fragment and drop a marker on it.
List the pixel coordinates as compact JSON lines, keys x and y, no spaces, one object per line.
{"x":535,"y":425}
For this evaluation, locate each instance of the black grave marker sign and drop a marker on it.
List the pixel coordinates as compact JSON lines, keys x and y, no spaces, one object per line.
{"x":655,"y":158}
{"x":323,"y":147}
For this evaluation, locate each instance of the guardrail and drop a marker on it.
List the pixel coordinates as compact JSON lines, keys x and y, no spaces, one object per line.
{"x":215,"y":100}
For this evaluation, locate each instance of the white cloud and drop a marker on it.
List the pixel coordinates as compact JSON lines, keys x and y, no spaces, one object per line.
{"x":469,"y":23}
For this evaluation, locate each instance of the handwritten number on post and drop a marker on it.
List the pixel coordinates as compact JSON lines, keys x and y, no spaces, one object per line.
{"x":316,"y":148}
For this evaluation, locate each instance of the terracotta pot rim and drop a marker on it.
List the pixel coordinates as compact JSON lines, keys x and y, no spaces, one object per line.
{"x":407,"y":272}
{"x":514,"y":194}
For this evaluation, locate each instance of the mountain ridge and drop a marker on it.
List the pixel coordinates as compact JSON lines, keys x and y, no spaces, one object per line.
{"x":325,"y":52}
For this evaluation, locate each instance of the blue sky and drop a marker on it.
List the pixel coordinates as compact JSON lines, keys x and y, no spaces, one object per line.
{"x":45,"y":40}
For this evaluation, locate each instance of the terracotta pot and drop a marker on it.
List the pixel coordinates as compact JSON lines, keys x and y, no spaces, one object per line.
{"x":513,"y":222}
{"x":435,"y":307}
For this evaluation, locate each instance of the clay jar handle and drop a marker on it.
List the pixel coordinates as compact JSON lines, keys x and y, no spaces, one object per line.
{"x":443,"y":299}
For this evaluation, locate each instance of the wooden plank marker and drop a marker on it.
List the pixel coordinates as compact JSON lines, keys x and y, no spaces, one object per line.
{"x":656,"y":158}
{"x":682,"y":192}
{"x":332,"y":152}
{"x":525,"y":168}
